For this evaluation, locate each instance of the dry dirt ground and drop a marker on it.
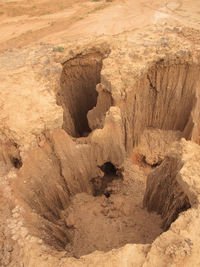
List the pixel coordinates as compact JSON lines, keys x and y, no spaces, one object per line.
{"x":23,"y":22}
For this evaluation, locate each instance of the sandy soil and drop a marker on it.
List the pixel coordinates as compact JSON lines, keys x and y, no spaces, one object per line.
{"x":23,"y":22}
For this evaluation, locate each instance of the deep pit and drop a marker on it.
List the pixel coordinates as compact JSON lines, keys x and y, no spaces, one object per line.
{"x":114,"y":209}
{"x":78,"y":93}
{"x":108,"y":215}
{"x":78,"y":199}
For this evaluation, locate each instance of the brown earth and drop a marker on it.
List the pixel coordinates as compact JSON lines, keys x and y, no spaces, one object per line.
{"x":100,"y":109}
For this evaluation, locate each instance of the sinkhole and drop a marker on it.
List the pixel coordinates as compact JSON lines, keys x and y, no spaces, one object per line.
{"x":76,"y":205}
{"x":115,"y":209}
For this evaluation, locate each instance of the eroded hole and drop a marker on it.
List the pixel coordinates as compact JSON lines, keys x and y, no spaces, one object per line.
{"x":105,"y":215}
{"x":112,"y":215}
{"x":78,"y":92}
{"x":75,"y":221}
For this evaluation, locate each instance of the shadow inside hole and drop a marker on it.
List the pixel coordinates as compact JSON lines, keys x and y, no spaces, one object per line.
{"x":17,"y":163}
{"x":100,"y":184}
